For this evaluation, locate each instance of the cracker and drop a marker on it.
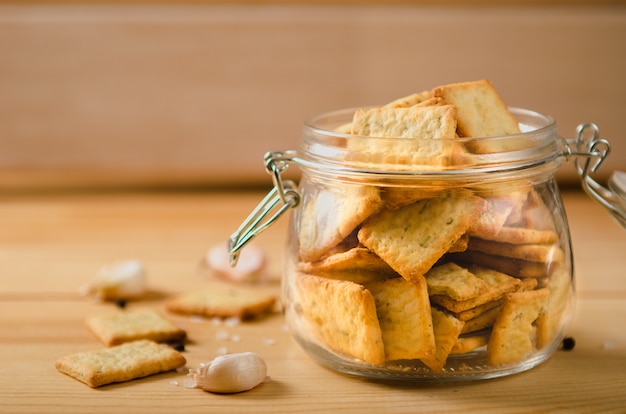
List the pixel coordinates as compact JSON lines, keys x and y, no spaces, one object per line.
{"x":120,"y":363}
{"x":510,"y":340}
{"x":551,"y":321}
{"x":467,"y":344}
{"x":485,"y":320}
{"x":510,"y":266}
{"x":539,"y":253}
{"x":476,"y":311}
{"x":410,"y":100}
{"x":357,"y":264}
{"x":405,"y":319}
{"x":498,"y":284}
{"x":342,"y":315}
{"x":493,"y":218}
{"x":413,"y":238}
{"x":130,"y":325}
{"x":454,"y":281}
{"x":460,"y":245}
{"x":329,"y":216}
{"x":447,"y":329}
{"x":481,"y":113}
{"x":518,"y":235}
{"x":222,"y":303}
{"x":413,"y":136}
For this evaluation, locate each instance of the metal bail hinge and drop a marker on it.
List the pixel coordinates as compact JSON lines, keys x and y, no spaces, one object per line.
{"x":595,"y":150}
{"x":283,"y":196}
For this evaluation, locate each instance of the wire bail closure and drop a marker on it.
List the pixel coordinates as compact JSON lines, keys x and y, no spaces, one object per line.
{"x":595,"y":150}
{"x":283,"y":196}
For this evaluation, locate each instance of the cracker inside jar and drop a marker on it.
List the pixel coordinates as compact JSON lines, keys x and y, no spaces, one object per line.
{"x":432,"y":275}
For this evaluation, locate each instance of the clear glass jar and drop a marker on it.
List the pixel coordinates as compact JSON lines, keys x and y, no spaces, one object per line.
{"x":426,"y":260}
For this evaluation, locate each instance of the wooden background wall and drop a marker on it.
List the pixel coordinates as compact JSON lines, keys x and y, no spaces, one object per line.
{"x":166,"y":94}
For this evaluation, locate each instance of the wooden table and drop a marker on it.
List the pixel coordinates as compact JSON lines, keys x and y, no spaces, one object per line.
{"x":52,"y":244}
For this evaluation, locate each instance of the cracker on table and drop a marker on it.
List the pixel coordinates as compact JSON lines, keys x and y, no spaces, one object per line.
{"x":405,"y":319}
{"x":342,"y":315}
{"x":510,"y":266}
{"x":329,"y":216}
{"x":498,"y":284}
{"x":120,"y":363}
{"x":481,"y":113}
{"x":541,"y":253}
{"x":454,"y":281}
{"x":510,"y":339}
{"x":447,"y":329}
{"x":122,"y":326}
{"x":551,"y":318}
{"x":358,"y":264}
{"x":414,"y":136}
{"x":413,"y":238}
{"x":222,"y":303}
{"x":469,"y":343}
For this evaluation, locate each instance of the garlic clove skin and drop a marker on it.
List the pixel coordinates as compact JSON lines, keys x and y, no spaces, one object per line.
{"x":118,"y":280}
{"x":231,"y":373}
{"x":251,"y":266}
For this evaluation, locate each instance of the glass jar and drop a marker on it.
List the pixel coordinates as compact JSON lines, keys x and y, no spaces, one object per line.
{"x":428,"y":260}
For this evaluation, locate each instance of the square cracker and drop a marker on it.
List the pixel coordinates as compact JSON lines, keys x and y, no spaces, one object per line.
{"x":330,"y":215}
{"x":510,"y":339}
{"x":413,"y":136}
{"x":411,"y":100}
{"x":551,"y":318}
{"x":411,"y":239}
{"x":120,"y":363}
{"x":405,"y":319}
{"x":454,"y":281}
{"x":447,"y":329}
{"x":130,"y":325}
{"x":481,"y":111}
{"x":342,"y":315}
{"x":536,"y":252}
{"x":222,"y":303}
{"x":358,"y":264}
{"x":498,"y":284}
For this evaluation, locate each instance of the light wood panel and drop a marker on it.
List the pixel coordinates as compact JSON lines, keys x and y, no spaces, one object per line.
{"x":166,"y":94}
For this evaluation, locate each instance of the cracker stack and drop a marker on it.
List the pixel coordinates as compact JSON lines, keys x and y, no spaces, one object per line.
{"x":398,"y":273}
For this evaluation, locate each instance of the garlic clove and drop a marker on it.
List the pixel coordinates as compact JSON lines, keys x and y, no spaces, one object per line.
{"x":251,"y":266}
{"x":118,"y":280}
{"x":231,"y":373}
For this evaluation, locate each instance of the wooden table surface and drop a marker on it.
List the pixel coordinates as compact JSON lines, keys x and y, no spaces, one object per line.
{"x":51,"y":244}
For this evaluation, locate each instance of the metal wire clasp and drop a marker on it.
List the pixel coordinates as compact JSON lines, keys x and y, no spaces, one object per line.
{"x":283,"y":196}
{"x":594,"y":150}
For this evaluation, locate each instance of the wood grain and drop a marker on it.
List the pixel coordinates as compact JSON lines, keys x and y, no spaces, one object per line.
{"x":52,"y":243}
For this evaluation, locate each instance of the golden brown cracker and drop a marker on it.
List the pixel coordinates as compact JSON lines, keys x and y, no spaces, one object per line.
{"x":413,"y":136}
{"x":552,"y":317}
{"x":482,"y":321}
{"x":447,"y":329}
{"x":222,"y":303}
{"x":518,"y":235}
{"x":491,"y":221}
{"x":342,"y":315}
{"x":460,"y":245}
{"x":454,"y":281}
{"x":410,"y":100}
{"x":510,"y":266}
{"x":481,"y":113}
{"x":405,"y":318}
{"x":413,"y":238}
{"x":329,"y":216}
{"x":476,"y":311}
{"x":510,"y":340}
{"x":539,"y":253}
{"x":467,"y":344}
{"x":120,"y":363}
{"x":118,"y":327}
{"x":498,"y":283}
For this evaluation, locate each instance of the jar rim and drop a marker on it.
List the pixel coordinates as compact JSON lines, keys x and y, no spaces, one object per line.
{"x":325,"y":148}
